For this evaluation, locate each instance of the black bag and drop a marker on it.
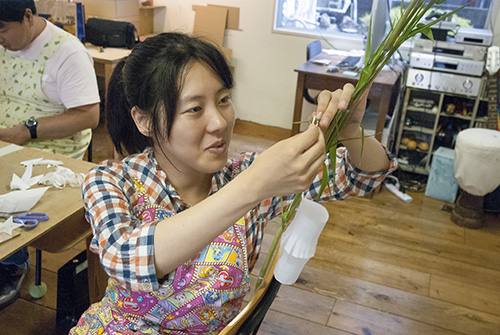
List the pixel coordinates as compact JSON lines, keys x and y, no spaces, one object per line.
{"x":109,"y":33}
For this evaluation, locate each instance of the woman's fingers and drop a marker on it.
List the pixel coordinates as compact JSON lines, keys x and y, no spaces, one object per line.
{"x":291,"y":165}
{"x":310,"y":157}
{"x":330,"y":102}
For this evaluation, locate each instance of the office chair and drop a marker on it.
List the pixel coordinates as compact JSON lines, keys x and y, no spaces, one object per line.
{"x":249,"y":319}
{"x":313,"y":49}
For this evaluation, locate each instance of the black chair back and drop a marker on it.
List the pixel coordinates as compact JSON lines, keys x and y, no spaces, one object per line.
{"x":313,"y":49}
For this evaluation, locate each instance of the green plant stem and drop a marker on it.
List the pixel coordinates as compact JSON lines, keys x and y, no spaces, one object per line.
{"x":406,"y":27}
{"x":285,"y":219}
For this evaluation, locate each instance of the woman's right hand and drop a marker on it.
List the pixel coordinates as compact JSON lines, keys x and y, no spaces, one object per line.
{"x":289,"y":166}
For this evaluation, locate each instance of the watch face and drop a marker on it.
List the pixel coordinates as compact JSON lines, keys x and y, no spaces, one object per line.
{"x":31,"y":123}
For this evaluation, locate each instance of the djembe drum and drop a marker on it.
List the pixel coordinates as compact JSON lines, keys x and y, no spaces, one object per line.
{"x":477,"y":170}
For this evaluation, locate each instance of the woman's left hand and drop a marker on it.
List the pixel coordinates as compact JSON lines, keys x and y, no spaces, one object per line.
{"x":330,"y":102}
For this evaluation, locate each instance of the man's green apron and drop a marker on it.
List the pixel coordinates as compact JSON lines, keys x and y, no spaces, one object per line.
{"x":22,"y":97}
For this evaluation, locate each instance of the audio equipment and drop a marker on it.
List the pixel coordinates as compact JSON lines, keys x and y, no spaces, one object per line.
{"x":443,"y":82}
{"x":474,"y":36}
{"x":446,"y":64}
{"x":467,"y":51}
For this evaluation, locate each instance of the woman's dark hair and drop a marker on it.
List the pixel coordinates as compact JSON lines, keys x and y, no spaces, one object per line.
{"x":13,"y":10}
{"x":151,"y":79}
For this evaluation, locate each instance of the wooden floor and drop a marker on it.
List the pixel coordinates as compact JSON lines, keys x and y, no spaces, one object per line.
{"x":382,"y":266}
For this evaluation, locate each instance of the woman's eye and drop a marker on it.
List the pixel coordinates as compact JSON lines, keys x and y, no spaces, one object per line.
{"x":194,"y":109}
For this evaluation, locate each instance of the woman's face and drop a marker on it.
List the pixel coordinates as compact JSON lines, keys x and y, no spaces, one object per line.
{"x":203,"y":125}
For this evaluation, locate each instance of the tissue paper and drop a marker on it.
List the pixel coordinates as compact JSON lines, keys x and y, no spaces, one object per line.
{"x":20,"y":201}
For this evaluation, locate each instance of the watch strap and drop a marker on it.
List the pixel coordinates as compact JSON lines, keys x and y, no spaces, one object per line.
{"x":31,"y":124}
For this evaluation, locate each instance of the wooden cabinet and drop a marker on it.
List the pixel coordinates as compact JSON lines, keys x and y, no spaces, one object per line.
{"x":152,"y":19}
{"x":432,"y":119}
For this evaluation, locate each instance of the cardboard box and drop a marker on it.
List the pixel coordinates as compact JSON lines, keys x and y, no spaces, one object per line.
{"x":113,"y":9}
{"x":147,"y":16}
{"x":441,"y":183}
{"x":211,"y":21}
{"x":148,"y":26}
{"x":233,"y":16}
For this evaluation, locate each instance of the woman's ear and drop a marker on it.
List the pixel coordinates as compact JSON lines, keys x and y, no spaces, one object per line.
{"x":142,"y":121}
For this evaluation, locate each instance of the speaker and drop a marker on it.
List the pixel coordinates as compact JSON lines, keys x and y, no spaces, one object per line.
{"x":72,"y":293}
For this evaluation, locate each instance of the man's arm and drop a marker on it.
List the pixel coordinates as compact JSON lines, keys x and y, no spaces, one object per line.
{"x":66,"y":124}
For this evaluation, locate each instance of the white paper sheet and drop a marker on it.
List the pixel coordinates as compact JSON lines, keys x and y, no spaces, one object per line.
{"x":20,"y":201}
{"x":8,"y":226}
{"x":9,"y":149}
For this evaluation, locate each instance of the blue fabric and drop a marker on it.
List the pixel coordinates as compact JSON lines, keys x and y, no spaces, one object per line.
{"x":20,"y":259}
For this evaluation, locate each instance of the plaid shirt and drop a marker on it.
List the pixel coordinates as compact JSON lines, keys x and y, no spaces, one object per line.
{"x":125,"y":243}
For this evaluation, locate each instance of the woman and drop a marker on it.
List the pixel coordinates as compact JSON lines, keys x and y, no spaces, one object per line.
{"x":178,"y":225}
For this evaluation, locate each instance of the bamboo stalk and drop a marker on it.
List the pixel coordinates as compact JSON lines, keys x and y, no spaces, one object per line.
{"x":407,"y":26}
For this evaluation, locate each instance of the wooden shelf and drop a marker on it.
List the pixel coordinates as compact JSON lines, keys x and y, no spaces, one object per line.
{"x":419,"y":129}
{"x":441,"y":99}
{"x":421,"y":110}
{"x":457,"y":116}
{"x":413,"y":168}
{"x":404,"y":147}
{"x":147,"y":19}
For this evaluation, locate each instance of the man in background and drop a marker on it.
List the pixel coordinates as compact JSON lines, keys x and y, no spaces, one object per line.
{"x":48,"y":100}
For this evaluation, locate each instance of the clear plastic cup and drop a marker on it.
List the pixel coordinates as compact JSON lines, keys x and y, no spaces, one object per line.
{"x":298,"y":243}
{"x":288,"y":268}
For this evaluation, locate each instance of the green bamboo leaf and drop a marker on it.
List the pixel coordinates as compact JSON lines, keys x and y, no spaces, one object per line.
{"x":324,"y":182}
{"x":368,"y":44}
{"x":405,"y":27}
{"x":366,"y":72}
{"x":333,"y":158}
{"x":362,"y":141}
{"x":426,"y":31}
{"x":282,"y":211}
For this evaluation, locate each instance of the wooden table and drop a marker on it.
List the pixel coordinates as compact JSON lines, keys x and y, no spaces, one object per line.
{"x":104,"y":64}
{"x":64,"y":206}
{"x":105,"y":61}
{"x":313,"y":76}
{"x":66,"y":225}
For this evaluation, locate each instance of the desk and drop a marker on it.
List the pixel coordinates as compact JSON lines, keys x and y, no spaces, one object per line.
{"x":66,"y":225}
{"x":312,"y":76}
{"x":104,"y":64}
{"x":105,"y":61}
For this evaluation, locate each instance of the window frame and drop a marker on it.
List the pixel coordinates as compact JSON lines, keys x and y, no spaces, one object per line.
{"x":346,"y":40}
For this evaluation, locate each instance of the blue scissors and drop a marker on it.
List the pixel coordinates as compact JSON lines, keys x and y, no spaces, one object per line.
{"x":30,"y":220}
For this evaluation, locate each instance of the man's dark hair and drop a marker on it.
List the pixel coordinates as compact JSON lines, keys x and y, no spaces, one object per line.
{"x":13,"y":10}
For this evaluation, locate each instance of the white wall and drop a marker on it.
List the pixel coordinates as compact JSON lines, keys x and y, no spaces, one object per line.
{"x":264,"y":61}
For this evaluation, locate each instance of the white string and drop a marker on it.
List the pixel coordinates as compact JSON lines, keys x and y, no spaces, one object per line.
{"x":62,"y":177}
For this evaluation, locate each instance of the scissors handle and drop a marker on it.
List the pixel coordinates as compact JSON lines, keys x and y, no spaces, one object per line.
{"x":26,"y":223}
{"x":33,"y":216}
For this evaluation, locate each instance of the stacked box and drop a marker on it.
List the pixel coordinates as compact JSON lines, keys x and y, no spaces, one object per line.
{"x":442,"y":184}
{"x":118,"y":10}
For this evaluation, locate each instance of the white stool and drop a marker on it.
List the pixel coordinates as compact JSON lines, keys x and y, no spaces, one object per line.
{"x":477,"y":170}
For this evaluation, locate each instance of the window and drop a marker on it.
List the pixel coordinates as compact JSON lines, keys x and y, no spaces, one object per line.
{"x":350,"y":18}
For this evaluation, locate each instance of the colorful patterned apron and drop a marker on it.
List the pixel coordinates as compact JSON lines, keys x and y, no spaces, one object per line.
{"x":201,"y":297}
{"x":22,"y":97}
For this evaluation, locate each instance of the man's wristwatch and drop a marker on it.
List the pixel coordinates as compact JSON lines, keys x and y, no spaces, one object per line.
{"x":31,"y":124}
